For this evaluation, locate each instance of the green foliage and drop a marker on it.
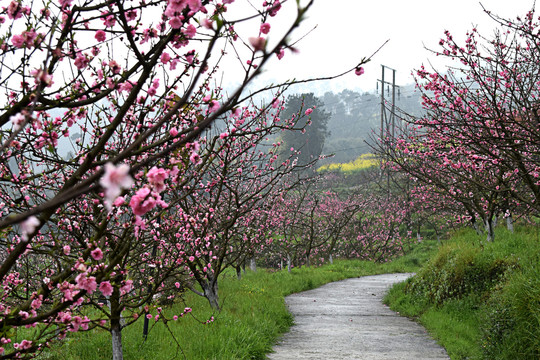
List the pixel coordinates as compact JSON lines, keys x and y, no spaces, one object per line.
{"x":253,"y":315}
{"x":309,"y":141}
{"x":458,"y":270}
{"x":511,"y":323}
{"x":480,"y":300}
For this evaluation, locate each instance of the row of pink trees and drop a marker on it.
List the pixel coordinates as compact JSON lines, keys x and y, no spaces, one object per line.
{"x":314,"y":224}
{"x":476,"y":150}
{"x":114,"y":188}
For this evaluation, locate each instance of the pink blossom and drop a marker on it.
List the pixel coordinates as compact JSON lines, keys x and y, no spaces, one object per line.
{"x":275,"y":8}
{"x":126,"y":86}
{"x":190,"y":31}
{"x":106,"y":288}
{"x":207,"y":23}
{"x":128,"y":285}
{"x":156,"y":177}
{"x":280,"y":53}
{"x":18,"y":41}
{"x":236,"y":112}
{"x":131,"y":15}
{"x":109,"y":21}
{"x":17,"y":120}
{"x":173,"y":132}
{"x":23,"y":345}
{"x":175,"y":6}
{"x":359,"y":71}
{"x":15,"y":10}
{"x":309,"y":111}
{"x":119,"y":201}
{"x":195,"y":158}
{"x":175,"y":22}
{"x":165,"y":57}
{"x":194,"y":5}
{"x":41,"y":76}
{"x":81,"y":61}
{"x":97,"y":254}
{"x":225,"y":2}
{"x":29,"y":37}
{"x":66,"y":249}
{"x":258,"y":43}
{"x":223,"y":135}
{"x":100,"y":35}
{"x":115,"y":67}
{"x":36,"y":303}
{"x":86,"y":283}
{"x":142,"y":201}
{"x":114,"y":180}
{"x":65,"y":3}
{"x":265,"y":28}
{"x":28,"y":226}
{"x":214,"y":106}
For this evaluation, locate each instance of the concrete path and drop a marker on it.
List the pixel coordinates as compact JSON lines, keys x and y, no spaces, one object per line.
{"x":347,"y":320}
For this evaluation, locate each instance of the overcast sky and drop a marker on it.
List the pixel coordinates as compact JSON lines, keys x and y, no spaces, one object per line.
{"x":347,"y":30}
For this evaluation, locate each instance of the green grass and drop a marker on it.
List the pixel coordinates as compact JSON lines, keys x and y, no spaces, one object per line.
{"x":253,"y":315}
{"x":479,"y":300}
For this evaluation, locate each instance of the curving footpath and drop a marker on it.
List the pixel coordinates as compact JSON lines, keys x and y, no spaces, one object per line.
{"x":347,"y":320}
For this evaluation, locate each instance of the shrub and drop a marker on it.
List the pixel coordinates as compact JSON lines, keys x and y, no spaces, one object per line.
{"x":511,"y":326}
{"x":458,"y":270}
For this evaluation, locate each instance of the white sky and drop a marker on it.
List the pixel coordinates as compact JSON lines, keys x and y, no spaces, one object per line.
{"x":348,"y":30}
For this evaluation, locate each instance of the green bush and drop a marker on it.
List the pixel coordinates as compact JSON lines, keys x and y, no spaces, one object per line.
{"x":480,"y":300}
{"x":511,"y":326}
{"x":458,"y":270}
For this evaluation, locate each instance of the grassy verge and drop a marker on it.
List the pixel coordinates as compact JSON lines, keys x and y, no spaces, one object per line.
{"x":253,"y":315}
{"x":479,"y":300}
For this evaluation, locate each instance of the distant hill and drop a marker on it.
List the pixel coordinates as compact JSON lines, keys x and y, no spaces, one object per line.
{"x":356,"y":116}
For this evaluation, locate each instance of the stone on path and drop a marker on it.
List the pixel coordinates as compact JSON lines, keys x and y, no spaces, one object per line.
{"x":347,"y":320}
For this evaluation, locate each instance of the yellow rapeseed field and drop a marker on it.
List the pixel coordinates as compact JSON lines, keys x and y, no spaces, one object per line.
{"x":362,"y":162}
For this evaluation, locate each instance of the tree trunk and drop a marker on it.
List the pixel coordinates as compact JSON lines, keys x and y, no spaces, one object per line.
{"x":289,"y":262}
{"x":211,"y":294}
{"x":116,"y":325}
{"x":116,"y":334}
{"x":489,"y":230}
{"x":510,"y":224}
{"x":253,"y":264}
{"x":238,"y":272}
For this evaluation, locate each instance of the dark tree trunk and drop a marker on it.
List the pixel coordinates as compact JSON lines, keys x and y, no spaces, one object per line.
{"x":238,"y":272}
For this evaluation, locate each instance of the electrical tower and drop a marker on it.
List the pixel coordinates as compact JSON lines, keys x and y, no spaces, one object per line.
{"x":388,"y":124}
